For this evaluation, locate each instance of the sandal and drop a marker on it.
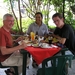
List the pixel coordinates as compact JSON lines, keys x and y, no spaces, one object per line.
{"x":34,"y":64}
{"x":9,"y":72}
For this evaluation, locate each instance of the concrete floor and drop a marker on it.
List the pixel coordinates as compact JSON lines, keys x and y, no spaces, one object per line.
{"x":72,"y":69}
{"x":32,"y":71}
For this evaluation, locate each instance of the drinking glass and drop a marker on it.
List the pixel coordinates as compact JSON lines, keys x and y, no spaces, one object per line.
{"x":50,"y":40}
{"x":32,"y":35}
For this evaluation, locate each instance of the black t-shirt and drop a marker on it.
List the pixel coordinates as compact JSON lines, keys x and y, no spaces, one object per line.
{"x":67,"y":32}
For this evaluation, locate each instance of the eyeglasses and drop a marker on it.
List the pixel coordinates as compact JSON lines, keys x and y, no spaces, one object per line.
{"x":9,"y":20}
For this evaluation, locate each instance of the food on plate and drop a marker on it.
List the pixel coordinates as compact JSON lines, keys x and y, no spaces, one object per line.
{"x":26,"y":38}
{"x":54,"y":40}
{"x":35,"y":41}
{"x":36,"y":45}
{"x":45,"y":45}
{"x":46,"y":40}
{"x":26,"y":41}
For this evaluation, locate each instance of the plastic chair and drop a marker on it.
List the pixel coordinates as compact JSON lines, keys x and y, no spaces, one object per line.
{"x":58,"y":65}
{"x":15,"y":68}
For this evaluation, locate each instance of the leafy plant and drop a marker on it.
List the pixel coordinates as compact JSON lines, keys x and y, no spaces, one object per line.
{"x":45,"y":6}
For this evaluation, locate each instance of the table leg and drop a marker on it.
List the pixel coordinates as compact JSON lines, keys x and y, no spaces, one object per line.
{"x":24,"y":53}
{"x":24,"y":64}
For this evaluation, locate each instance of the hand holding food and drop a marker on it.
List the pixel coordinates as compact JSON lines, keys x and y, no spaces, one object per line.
{"x":23,"y":44}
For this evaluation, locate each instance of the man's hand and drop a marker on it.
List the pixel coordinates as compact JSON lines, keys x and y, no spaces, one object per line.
{"x":19,"y":39}
{"x":23,"y":44}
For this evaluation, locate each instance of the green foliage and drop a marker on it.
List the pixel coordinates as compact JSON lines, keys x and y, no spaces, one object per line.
{"x":69,"y":16}
{"x":46,"y":2}
{"x":57,"y":3}
{"x":15,"y":28}
{"x":31,"y":8}
{"x":70,"y":21}
{"x":1,"y":22}
{"x":25,"y":24}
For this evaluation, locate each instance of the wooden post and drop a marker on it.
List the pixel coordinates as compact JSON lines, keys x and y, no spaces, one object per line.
{"x":63,"y":8}
{"x":39,"y":2}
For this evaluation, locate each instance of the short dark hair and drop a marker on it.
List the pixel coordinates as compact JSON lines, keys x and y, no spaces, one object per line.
{"x":57,"y":15}
{"x":39,"y":13}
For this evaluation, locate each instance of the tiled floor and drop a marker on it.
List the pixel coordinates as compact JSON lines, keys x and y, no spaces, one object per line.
{"x":32,"y":71}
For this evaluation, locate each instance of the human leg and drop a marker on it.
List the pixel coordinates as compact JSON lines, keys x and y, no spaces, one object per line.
{"x":15,"y":60}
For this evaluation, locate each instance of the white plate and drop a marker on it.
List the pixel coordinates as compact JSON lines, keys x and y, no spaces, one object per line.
{"x":45,"y":45}
{"x":54,"y":46}
{"x":28,"y":44}
{"x":19,"y":43}
{"x":35,"y":45}
{"x":26,"y":41}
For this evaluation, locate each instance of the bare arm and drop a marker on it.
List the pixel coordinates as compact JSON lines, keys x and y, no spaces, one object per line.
{"x":56,"y":36}
{"x":18,"y":39}
{"x":5,"y":50}
{"x":61,"y":40}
